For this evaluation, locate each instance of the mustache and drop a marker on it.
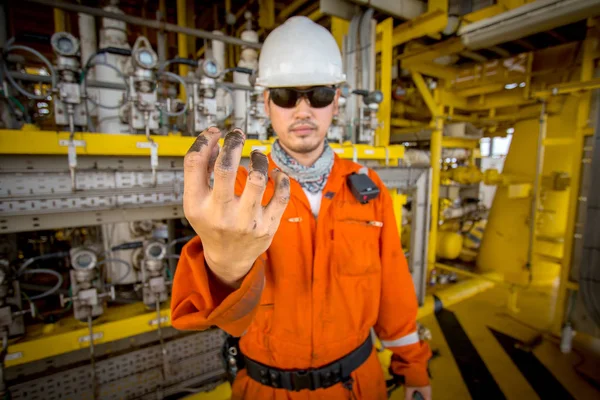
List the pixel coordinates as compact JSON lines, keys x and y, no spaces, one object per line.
{"x":305,"y":122}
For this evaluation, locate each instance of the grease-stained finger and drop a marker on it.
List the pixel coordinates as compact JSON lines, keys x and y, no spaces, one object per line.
{"x":226,"y":166}
{"x":281,"y":197}
{"x":196,"y":162}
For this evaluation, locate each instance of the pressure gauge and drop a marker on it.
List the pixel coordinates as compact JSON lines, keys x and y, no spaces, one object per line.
{"x":83,"y":259}
{"x":210,"y":68}
{"x":374,"y":97}
{"x":345,"y":90}
{"x":64,"y":44}
{"x":155,"y":251}
{"x":145,"y":58}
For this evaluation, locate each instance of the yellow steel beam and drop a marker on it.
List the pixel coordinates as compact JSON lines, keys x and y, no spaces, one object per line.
{"x":430,"y":53}
{"x":266,"y":14}
{"x":435,"y":148}
{"x":429,"y":23}
{"x":399,"y":122}
{"x":339,"y":28}
{"x":479,"y":90}
{"x":583,"y":118}
{"x":59,"y":21}
{"x":291,"y":9}
{"x":43,"y":341}
{"x":316,"y":15}
{"x":568,"y":88}
{"x":398,"y":200}
{"x":484,"y":13}
{"x":98,"y":144}
{"x":509,"y":98}
{"x":437,"y":71}
{"x":425,"y":93}
{"x":182,"y":46}
{"x":451,"y":99}
{"x":459,"y":143}
{"x":384,"y":114}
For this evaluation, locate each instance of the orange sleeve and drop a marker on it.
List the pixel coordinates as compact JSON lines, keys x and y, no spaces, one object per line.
{"x":396,"y":324}
{"x":199,"y":300}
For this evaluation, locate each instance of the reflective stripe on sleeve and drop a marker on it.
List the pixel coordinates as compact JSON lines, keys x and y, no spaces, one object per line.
{"x":411,"y":338}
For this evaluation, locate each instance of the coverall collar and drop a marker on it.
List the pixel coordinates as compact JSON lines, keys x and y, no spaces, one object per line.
{"x":341,"y":169}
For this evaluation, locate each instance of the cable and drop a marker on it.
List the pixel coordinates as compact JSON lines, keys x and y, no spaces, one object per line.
{"x":48,"y":292}
{"x":117,"y":260}
{"x":180,"y":240}
{"x":32,"y":260}
{"x":10,"y":47}
{"x":183,"y":84}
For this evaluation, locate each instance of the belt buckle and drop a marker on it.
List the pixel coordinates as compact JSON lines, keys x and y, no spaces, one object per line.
{"x":301,"y":380}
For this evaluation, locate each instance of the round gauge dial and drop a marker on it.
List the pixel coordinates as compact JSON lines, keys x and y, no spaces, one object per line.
{"x":211,"y":69}
{"x":146,"y":58}
{"x":64,"y":44}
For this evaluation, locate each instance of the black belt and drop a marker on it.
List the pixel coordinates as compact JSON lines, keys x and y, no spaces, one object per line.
{"x":314,"y":378}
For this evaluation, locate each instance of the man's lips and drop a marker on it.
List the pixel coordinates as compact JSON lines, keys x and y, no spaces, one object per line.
{"x":302,"y":129}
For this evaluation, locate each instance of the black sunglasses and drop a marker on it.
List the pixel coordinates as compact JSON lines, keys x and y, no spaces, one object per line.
{"x":318,"y":97}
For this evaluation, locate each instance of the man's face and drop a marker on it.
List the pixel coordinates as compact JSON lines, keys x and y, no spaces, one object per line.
{"x":302,"y":128}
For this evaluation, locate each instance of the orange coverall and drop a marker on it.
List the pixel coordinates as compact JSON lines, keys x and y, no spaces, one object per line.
{"x":315,"y":294}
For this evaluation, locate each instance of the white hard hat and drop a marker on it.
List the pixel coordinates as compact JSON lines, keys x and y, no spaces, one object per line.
{"x":299,"y":53}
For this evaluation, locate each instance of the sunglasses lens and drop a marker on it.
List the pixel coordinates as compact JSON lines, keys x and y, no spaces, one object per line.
{"x":320,"y":97}
{"x":284,"y":97}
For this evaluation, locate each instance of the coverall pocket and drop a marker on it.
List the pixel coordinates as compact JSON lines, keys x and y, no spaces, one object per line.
{"x":356,"y":246}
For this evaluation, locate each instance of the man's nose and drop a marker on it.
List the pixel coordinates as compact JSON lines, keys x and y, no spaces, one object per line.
{"x":303,"y":109}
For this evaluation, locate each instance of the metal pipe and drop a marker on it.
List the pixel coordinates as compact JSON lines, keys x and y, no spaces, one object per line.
{"x":47,"y":79}
{"x":145,"y":22}
{"x":539,"y":164}
{"x":59,"y":20}
{"x":181,"y":38}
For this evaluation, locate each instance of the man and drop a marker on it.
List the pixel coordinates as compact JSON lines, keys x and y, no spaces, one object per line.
{"x":285,"y":256}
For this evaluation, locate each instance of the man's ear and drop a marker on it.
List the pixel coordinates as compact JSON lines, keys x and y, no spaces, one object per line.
{"x":336,"y":107}
{"x":266,"y":101}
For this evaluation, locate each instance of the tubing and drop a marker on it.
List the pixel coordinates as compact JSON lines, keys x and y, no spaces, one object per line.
{"x":117,"y":260}
{"x":183,"y":85}
{"x":48,"y":292}
{"x":10,"y":47}
{"x":180,"y":240}
{"x":32,"y":260}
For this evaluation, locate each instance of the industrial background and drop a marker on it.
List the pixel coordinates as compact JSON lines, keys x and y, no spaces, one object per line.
{"x":481,"y":116}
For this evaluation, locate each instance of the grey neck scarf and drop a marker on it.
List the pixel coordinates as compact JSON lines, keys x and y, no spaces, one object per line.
{"x":311,"y":178}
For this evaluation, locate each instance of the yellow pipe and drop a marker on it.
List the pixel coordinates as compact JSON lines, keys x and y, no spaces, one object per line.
{"x":182,"y":42}
{"x":384,"y":114}
{"x":583,"y":112}
{"x":59,"y":21}
{"x":456,"y":293}
{"x":97,"y":144}
{"x":339,"y":28}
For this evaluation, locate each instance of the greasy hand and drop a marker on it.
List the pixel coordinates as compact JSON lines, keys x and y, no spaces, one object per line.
{"x":409,"y":392}
{"x":234,"y":230}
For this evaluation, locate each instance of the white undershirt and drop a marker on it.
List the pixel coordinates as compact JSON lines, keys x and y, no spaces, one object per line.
{"x":315,"y":201}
